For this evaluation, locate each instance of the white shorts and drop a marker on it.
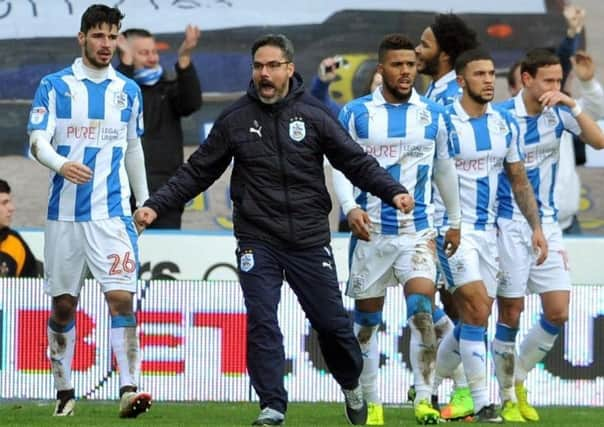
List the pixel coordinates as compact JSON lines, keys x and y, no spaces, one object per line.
{"x":476,"y":259}
{"x":389,"y":260}
{"x":107,"y":248}
{"x":520,"y":273}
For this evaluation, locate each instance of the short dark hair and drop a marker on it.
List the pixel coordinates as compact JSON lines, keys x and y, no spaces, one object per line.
{"x":453,"y":35}
{"x":537,"y":58}
{"x":394,"y":42}
{"x":136,"y":32}
{"x":471,"y":55}
{"x":4,"y":187}
{"x":276,"y":40}
{"x":99,"y":14}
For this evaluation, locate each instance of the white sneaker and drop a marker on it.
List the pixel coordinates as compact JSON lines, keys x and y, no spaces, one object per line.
{"x":133,"y":403}
{"x":269,"y":417}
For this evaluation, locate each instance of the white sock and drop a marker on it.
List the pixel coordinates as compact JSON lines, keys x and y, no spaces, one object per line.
{"x":442,"y":325}
{"x":367,"y":337}
{"x":503,"y":349}
{"x":422,"y":354}
{"x":536,"y":344}
{"x":124,"y":342}
{"x":448,"y":356}
{"x":61,"y":345}
{"x":473,"y":357}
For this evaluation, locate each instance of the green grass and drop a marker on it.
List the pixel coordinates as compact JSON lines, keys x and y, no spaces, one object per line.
{"x":88,"y":413}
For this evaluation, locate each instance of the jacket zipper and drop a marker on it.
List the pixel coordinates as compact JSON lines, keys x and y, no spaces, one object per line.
{"x":284,"y":179}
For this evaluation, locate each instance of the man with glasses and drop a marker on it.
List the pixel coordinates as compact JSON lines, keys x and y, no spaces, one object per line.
{"x":277,"y":135}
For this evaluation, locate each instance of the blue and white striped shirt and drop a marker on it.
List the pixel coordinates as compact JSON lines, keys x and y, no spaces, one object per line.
{"x":481,"y":145}
{"x":90,"y":123}
{"x":540,"y":140}
{"x":404,"y":139}
{"x":445,"y":90}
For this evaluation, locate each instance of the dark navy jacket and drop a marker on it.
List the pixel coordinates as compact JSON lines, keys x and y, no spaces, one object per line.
{"x":277,"y":184}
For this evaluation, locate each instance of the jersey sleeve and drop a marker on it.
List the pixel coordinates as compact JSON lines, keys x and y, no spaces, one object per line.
{"x":135,"y":124}
{"x":43,"y":109}
{"x":444,"y":148}
{"x":568,"y":121}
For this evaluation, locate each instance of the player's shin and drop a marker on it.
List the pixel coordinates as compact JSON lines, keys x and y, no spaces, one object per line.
{"x":125,"y":345}
{"x":61,"y":343}
{"x":365,"y":329}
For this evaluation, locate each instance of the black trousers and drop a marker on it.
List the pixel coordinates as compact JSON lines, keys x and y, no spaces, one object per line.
{"x":311,"y":274}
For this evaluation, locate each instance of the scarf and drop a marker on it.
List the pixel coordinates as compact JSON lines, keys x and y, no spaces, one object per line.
{"x":148,"y":76}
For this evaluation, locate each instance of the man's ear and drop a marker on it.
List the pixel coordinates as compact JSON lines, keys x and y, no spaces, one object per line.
{"x":81,"y":38}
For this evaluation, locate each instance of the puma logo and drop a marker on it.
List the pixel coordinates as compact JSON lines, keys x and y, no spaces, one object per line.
{"x":327,"y":265}
{"x":257,"y":131}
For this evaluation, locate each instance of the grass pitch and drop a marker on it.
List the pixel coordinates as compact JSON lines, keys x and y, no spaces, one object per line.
{"x":93,"y":413}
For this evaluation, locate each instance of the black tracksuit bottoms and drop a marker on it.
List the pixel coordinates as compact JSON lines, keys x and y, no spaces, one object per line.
{"x":311,"y":274}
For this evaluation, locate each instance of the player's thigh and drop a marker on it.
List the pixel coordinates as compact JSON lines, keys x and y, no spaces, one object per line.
{"x":463,"y":266}
{"x":64,"y":265}
{"x":417,"y":260}
{"x":371,"y":267}
{"x":489,"y":261}
{"x":112,"y":253}
{"x":515,"y":258}
{"x":554,"y":273}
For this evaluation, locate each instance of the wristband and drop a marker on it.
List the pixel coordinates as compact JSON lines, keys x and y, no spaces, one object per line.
{"x":576,"y":110}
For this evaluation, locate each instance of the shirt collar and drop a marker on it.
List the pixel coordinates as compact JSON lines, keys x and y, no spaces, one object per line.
{"x":519,"y":107}
{"x":461,"y":113}
{"x":80,"y":73}
{"x":446,"y":79}
{"x":378,"y":98}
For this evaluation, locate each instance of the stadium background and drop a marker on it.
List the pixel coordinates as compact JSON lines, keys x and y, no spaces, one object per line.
{"x":179,"y":352}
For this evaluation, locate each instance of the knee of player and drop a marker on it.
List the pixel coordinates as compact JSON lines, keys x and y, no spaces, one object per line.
{"x":557,"y":317}
{"x":509,"y":313}
{"x":63,"y":309}
{"x":478,"y":314}
{"x":120,"y":303}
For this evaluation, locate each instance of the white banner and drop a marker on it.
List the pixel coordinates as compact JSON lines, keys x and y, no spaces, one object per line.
{"x":193,"y":339}
{"x":61,"y":18}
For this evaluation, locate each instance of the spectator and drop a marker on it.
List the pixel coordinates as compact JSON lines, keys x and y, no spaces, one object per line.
{"x":166,"y":101}
{"x":278,"y":135}
{"x":16,"y":259}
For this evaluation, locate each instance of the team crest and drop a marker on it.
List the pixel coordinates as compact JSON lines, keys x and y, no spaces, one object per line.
{"x":297,"y":129}
{"x":550,"y":117}
{"x":500,"y":127}
{"x":246,"y":262}
{"x":120,"y":100}
{"x":37,"y":115}
{"x":423,"y":117}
